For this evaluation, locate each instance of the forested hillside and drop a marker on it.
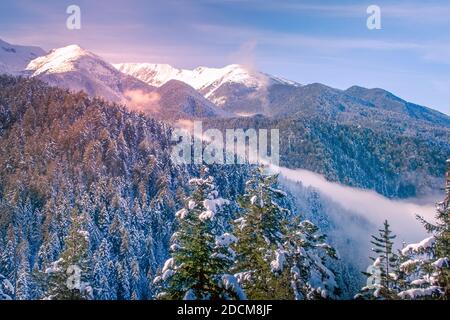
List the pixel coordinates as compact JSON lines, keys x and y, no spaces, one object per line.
{"x":399,"y":158}
{"x":64,"y":154}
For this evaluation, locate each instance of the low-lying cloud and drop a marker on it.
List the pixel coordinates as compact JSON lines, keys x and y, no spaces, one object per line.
{"x":374,"y":207}
{"x":138,"y":100}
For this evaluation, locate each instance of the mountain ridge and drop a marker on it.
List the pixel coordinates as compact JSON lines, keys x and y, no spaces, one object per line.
{"x":313,"y":119}
{"x":232,"y":90}
{"x":226,"y":87}
{"x":388,"y":101}
{"x":242,"y":91}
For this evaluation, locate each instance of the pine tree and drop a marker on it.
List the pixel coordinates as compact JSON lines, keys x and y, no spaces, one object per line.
{"x":427,"y":263}
{"x":278,"y":256}
{"x":123,"y":280}
{"x":260,"y":232}
{"x":201,"y":257}
{"x":49,"y":250}
{"x":35,"y":288}
{"x":135,"y":280}
{"x":103,"y":275}
{"x":66,"y":278}
{"x":23,"y":281}
{"x":6,"y":289}
{"x":307,"y":256}
{"x":383,"y":274}
{"x":8,"y":256}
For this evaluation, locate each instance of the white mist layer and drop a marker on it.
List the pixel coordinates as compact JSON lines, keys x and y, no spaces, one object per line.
{"x":374,"y":207}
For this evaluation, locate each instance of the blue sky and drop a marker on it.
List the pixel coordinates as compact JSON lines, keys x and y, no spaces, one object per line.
{"x":306,"y":41}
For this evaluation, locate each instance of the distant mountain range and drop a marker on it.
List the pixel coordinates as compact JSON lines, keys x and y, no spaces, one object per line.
{"x":234,"y":90}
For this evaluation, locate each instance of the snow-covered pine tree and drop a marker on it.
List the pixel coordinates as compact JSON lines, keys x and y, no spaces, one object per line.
{"x":49,"y":250}
{"x":8,"y":256}
{"x":123,"y":266}
{"x":260,"y":232}
{"x":103,"y":272}
{"x":427,"y":263}
{"x":307,"y":255}
{"x":23,"y":277}
{"x":66,"y":278}
{"x":123,"y":280}
{"x":201,"y":257}
{"x":383,"y":274}
{"x":278,"y":256}
{"x":6,"y":289}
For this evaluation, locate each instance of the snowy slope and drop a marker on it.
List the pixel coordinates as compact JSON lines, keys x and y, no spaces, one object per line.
{"x":61,"y":60}
{"x":14,"y":58}
{"x":77,"y":69}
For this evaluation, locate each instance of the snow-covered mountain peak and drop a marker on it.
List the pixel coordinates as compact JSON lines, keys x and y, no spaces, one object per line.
{"x":71,"y":51}
{"x":205,"y":79}
{"x":201,"y":77}
{"x":61,"y":60}
{"x":153,"y":74}
{"x":77,"y":69}
{"x":239,"y":74}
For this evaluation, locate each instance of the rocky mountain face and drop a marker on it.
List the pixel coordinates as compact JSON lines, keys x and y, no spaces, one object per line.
{"x":385,"y":100}
{"x":244,"y":92}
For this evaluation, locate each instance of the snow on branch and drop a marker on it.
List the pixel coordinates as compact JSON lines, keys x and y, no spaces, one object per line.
{"x":419,"y":247}
{"x":420,"y":292}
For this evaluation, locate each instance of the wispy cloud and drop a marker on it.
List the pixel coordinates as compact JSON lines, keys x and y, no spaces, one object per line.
{"x":437,"y":51}
{"x":419,"y":12}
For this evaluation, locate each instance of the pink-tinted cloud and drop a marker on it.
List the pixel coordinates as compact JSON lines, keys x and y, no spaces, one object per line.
{"x":147,"y":102}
